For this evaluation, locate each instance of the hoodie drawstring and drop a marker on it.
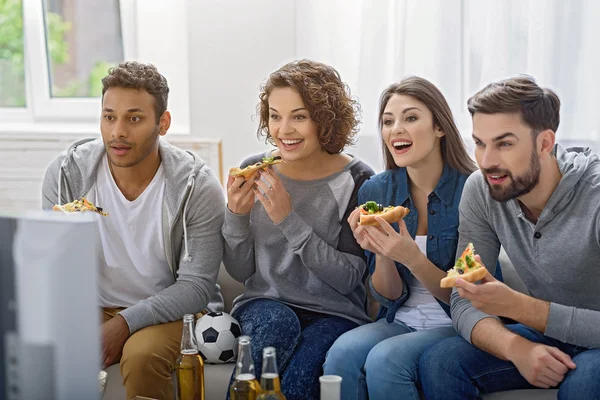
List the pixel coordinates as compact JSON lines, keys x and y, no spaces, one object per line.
{"x":191,"y":182}
{"x":60,"y":172}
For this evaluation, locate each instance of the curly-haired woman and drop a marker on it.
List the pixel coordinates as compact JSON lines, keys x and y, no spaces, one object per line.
{"x":286,"y":232}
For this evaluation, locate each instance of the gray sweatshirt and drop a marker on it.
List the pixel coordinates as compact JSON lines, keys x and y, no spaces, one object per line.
{"x":310,"y":259}
{"x":192,"y":236}
{"x":558,"y":258}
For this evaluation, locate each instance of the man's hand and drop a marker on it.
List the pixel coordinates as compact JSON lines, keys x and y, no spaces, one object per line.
{"x":542,"y":366}
{"x":114,"y":335}
{"x":491,"y":297}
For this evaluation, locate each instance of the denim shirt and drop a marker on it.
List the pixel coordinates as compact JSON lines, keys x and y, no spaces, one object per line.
{"x":392,"y":188}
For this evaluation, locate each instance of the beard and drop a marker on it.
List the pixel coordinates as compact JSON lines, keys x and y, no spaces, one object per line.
{"x":519,"y":185}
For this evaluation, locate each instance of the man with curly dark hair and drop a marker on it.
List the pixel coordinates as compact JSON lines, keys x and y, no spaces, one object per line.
{"x":286,"y":232}
{"x":161,"y":250}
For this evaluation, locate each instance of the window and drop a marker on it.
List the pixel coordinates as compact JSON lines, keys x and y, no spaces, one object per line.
{"x":80,"y":49}
{"x":12,"y":67}
{"x":54,"y":54}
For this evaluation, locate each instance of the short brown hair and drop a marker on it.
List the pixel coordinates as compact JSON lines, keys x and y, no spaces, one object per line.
{"x":135,"y":75}
{"x":326,"y":97}
{"x":539,"y":107}
{"x":454,"y":152}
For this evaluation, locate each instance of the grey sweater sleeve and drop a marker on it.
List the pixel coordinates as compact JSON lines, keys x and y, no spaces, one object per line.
{"x":238,"y":247}
{"x":238,"y":244}
{"x":197,"y":277}
{"x":574,"y":325}
{"x":475,"y":228}
{"x":327,"y":263}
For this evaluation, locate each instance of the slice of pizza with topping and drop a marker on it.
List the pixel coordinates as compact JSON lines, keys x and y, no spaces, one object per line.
{"x":466,"y":268}
{"x":251,"y":169}
{"x":80,"y":205}
{"x":466,"y":262}
{"x":371,"y":210}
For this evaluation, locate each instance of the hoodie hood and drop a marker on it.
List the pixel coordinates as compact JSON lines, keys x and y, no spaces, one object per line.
{"x":574,"y":164}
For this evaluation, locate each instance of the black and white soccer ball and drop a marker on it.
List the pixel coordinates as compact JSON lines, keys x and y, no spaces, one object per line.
{"x":216,"y":334}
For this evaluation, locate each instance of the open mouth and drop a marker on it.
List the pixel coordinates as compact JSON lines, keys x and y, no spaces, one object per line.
{"x":289,"y":144}
{"x":496,"y":179}
{"x":401,"y":146}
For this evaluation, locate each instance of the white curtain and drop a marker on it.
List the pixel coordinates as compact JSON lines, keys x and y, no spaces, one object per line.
{"x":460,"y":45}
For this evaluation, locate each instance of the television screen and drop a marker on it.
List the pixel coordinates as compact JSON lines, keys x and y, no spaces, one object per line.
{"x":49,"y":319}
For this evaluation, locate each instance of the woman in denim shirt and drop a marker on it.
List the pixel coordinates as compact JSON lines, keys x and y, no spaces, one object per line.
{"x":427,"y":166}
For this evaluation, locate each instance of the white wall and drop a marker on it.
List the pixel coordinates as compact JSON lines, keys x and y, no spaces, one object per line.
{"x":233,"y":46}
{"x":162,"y":39}
{"x":330,"y":32}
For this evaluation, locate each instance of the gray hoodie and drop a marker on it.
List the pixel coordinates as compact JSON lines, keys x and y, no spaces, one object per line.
{"x":558,"y":258}
{"x":192,"y":235}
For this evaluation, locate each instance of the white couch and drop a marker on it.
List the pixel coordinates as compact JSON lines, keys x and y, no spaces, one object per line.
{"x":217,"y":376}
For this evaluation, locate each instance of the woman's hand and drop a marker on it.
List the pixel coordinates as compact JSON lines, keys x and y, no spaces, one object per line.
{"x":274,"y":198}
{"x":359,"y":232}
{"x":386,"y":241}
{"x":240,"y":197}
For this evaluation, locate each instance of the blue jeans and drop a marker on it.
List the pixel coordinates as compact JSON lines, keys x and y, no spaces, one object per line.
{"x":300,"y":337}
{"x":381,"y":358}
{"x":454,"y":369}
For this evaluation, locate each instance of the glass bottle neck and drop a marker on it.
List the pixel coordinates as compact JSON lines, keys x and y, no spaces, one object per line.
{"x":269,"y":362}
{"x":244,"y":368}
{"x":270,"y":376}
{"x":188,"y":340}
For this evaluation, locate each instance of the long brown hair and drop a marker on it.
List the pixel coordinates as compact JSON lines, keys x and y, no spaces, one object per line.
{"x":454,"y":152}
{"x":327,"y":98}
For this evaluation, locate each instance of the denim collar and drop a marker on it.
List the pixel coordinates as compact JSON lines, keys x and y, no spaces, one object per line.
{"x":444,"y":189}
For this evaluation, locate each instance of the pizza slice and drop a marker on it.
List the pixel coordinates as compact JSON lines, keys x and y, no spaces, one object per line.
{"x":466,"y":267}
{"x":80,"y":205}
{"x":251,"y":169}
{"x":371,"y":209}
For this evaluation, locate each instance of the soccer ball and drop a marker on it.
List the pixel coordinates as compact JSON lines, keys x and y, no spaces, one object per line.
{"x":216,"y":334}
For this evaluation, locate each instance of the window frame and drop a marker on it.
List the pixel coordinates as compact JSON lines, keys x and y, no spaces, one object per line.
{"x":47,"y":115}
{"x":42,"y":105}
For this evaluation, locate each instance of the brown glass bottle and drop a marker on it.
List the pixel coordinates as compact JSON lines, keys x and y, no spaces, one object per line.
{"x":190,"y":366}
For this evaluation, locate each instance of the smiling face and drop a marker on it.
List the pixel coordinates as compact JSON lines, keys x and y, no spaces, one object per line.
{"x":128,"y":126}
{"x":409,"y":132}
{"x":290,"y":125}
{"x":506,"y":153}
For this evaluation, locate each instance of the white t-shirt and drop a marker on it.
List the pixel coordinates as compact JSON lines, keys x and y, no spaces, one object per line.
{"x":133,"y":266}
{"x":421,"y":310}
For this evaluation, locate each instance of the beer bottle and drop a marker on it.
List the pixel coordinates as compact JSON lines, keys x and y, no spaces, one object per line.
{"x":245,"y":386}
{"x":190,"y":367}
{"x":269,"y":379}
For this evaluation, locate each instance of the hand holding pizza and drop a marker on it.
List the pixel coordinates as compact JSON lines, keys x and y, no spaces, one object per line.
{"x":359,"y":231}
{"x":491,"y":296}
{"x":240,"y":197}
{"x":275,"y":199}
{"x":386,"y":241}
